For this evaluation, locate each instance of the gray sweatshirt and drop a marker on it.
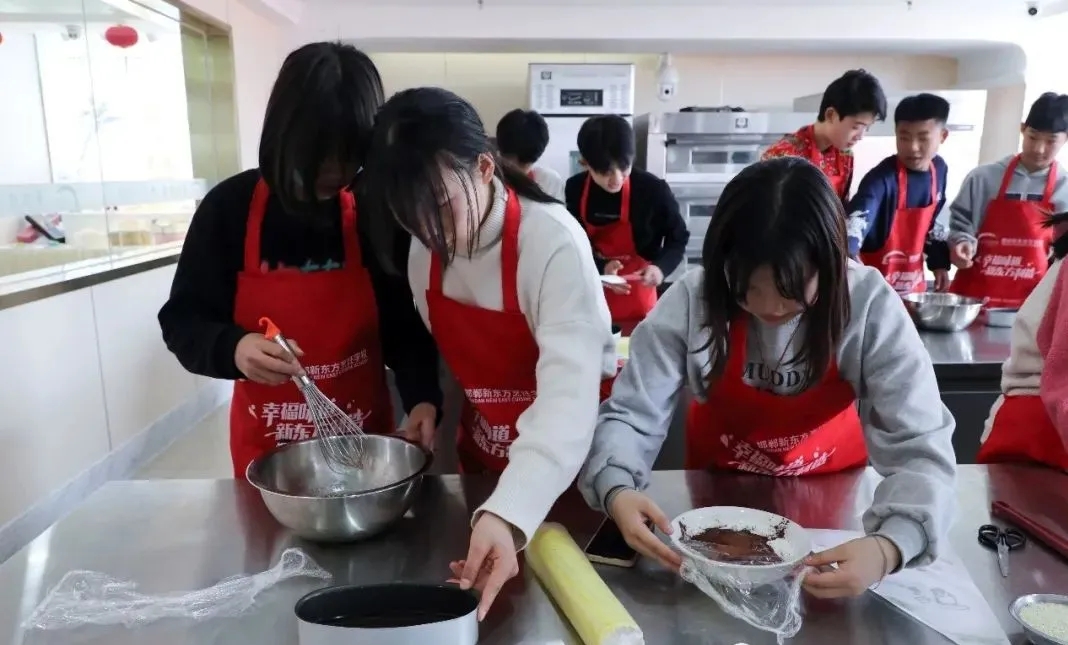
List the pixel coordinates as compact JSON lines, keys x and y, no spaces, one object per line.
{"x":907,"y":429}
{"x":981,"y":185}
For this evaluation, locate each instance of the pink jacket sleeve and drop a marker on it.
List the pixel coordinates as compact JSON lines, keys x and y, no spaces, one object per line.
{"x":1052,"y":340}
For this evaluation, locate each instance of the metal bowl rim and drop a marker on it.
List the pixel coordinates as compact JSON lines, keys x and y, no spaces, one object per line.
{"x":312,"y":596}
{"x":1032,"y":598}
{"x":263,"y":488}
{"x":917,"y":299}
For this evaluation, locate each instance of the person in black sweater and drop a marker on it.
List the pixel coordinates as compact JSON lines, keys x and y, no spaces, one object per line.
{"x":286,"y":241}
{"x":631,"y":216}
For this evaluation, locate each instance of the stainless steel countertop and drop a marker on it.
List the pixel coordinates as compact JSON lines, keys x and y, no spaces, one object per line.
{"x":184,"y":535}
{"x":977,"y":344}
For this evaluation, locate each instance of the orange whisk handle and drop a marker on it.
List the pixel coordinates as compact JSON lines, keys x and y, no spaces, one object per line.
{"x":272,"y":330}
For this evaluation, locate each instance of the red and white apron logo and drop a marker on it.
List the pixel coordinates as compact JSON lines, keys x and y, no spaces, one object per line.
{"x":489,"y":396}
{"x":754,"y":459}
{"x":1010,"y":261}
{"x":291,"y":421}
{"x":334,"y":370}
{"x":493,"y":440}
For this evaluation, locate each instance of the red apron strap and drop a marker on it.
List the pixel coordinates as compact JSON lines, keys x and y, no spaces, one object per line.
{"x":349,"y":232}
{"x":903,"y":184}
{"x":1006,"y":179}
{"x":902,"y":187}
{"x":583,"y":201}
{"x":1051,"y":183}
{"x":510,"y":253}
{"x":434,"y":285}
{"x":509,"y":257}
{"x":254,"y":228}
{"x":624,"y":203}
{"x":737,"y":345}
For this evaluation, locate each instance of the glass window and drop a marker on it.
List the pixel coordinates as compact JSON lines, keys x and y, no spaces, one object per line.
{"x":117,"y":118}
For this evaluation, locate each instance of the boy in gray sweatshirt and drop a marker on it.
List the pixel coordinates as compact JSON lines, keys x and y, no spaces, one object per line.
{"x":800,"y":362}
{"x":997,"y":238}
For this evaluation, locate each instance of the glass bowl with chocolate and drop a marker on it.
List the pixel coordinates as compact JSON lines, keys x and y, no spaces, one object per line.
{"x":738,"y":546}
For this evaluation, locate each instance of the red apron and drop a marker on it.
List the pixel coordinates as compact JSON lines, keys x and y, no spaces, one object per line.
{"x":334,"y":318}
{"x":743,"y":428}
{"x":840,"y":180}
{"x":493,"y":356}
{"x":1013,"y":250}
{"x":901,"y":258}
{"x":615,"y":241}
{"x":1023,"y":432}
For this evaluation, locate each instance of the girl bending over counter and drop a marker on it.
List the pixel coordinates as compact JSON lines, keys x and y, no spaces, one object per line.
{"x":801,"y":362}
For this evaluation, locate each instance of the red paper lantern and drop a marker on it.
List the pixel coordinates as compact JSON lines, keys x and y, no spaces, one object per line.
{"x":121,"y":36}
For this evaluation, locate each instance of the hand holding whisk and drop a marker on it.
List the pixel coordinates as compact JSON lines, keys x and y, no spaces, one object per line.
{"x":340,"y":437}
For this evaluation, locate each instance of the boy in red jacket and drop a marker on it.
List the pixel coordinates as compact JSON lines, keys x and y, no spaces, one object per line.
{"x":850,"y":105}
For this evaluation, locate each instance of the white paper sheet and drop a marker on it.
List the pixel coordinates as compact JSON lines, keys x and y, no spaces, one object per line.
{"x":941,"y":595}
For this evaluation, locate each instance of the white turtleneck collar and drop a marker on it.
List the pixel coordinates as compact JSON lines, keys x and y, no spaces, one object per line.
{"x":490,"y":231}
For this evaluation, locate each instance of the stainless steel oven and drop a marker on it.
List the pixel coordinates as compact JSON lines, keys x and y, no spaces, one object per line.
{"x":699,"y":150}
{"x":696,"y":203}
{"x":711,"y":154}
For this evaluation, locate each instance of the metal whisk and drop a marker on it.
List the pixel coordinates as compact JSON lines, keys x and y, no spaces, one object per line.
{"x":340,"y":437}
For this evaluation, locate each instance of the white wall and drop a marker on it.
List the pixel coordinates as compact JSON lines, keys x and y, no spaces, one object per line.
{"x":497,"y":83}
{"x":83,"y":373}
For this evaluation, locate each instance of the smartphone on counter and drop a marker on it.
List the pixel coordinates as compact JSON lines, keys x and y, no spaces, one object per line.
{"x":607,"y":546}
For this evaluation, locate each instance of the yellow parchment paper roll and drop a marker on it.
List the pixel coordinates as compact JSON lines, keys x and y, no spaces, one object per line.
{"x":593,"y":610}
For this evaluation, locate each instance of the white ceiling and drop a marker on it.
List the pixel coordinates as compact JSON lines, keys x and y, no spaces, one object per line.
{"x":750,"y":47}
{"x":971,"y":5}
{"x":91,"y":9}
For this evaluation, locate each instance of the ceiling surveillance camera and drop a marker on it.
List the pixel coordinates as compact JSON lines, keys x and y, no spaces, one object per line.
{"x":1032,"y":8}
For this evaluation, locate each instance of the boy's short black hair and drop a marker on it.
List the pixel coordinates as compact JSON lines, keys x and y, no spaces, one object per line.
{"x":922,"y":107}
{"x":855,"y":92}
{"x":1049,"y":113}
{"x":606,"y":142}
{"x":522,"y":134}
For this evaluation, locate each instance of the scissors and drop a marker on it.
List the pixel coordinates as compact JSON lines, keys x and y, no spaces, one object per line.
{"x":1002,"y":541}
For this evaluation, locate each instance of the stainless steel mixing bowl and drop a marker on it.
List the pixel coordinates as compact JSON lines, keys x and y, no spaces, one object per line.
{"x":320,"y":504}
{"x":942,"y":311}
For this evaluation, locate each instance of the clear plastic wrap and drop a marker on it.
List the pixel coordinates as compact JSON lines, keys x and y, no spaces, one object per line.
{"x":771,"y":606}
{"x":93,"y":598}
{"x":749,"y":561}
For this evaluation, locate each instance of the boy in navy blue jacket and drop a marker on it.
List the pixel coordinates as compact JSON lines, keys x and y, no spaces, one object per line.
{"x":892,"y":218}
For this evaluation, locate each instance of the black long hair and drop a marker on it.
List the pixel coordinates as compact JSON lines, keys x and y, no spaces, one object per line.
{"x":1059,"y":223}
{"x":783,"y":214}
{"x":322,"y":107}
{"x":419,"y":135}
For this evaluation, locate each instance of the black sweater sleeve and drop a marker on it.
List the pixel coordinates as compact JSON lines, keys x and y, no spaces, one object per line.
{"x":407,"y":346}
{"x":197,"y":319}
{"x":672,"y":229}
